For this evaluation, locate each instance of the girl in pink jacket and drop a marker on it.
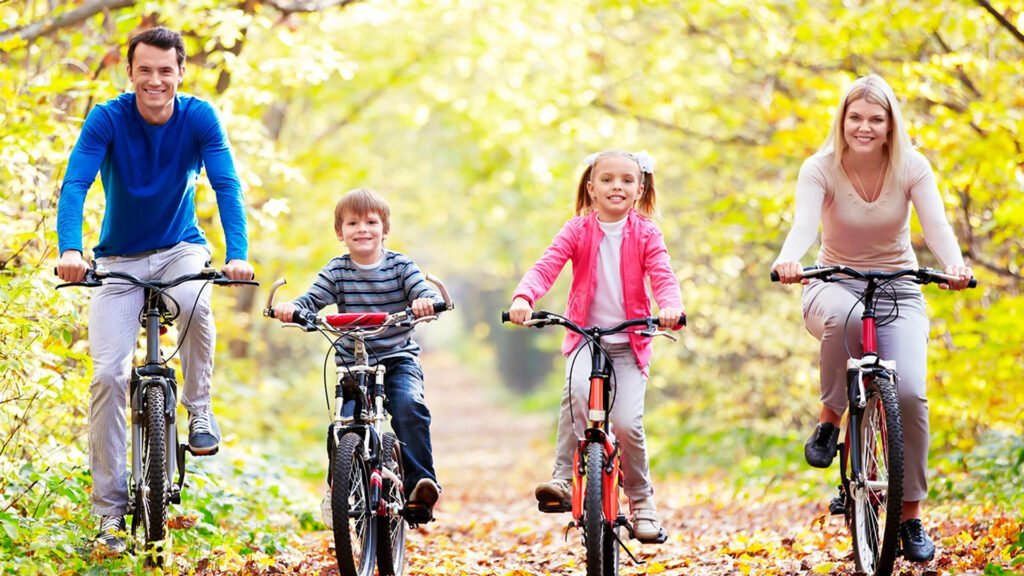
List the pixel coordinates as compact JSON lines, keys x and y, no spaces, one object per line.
{"x":614,"y":247}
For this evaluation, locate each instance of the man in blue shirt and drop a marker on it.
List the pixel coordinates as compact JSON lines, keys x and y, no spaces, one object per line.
{"x":149,"y":147}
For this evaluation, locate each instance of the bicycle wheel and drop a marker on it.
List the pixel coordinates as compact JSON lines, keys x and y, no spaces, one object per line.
{"x":391,"y":528}
{"x":877,"y":495}
{"x":350,"y":507}
{"x":594,"y":525}
{"x":152,"y":499}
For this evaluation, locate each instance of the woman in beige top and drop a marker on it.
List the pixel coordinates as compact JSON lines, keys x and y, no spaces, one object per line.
{"x":859,"y":187}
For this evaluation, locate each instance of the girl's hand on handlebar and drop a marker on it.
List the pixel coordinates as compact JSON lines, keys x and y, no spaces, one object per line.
{"x":520,"y":311}
{"x":790,"y":272}
{"x":284,"y":311}
{"x":668,"y":318}
{"x":71,"y":267}
{"x":964,"y":273}
{"x":422,"y":307}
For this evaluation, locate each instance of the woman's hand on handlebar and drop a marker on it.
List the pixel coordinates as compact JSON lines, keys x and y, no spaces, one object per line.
{"x":284,"y":311}
{"x":668,"y":318}
{"x":963,"y":272}
{"x":520,"y":310}
{"x":790,"y":272}
{"x":238,"y":270}
{"x":71,"y":267}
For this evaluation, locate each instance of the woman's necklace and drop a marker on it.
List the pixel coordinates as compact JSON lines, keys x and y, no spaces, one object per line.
{"x":878,"y":184}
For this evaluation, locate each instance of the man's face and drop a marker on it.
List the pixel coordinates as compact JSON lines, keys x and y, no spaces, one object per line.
{"x":155,"y":74}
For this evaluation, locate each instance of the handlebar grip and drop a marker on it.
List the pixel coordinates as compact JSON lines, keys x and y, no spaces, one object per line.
{"x":303,"y":318}
{"x":440,"y":307}
{"x":682,"y":321}
{"x":973,"y":283}
{"x":504,"y":316}
{"x":775,"y":276}
{"x":533,"y":316}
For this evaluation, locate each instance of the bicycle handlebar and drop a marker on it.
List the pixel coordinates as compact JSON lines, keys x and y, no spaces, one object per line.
{"x":95,"y":276}
{"x":542,"y":318}
{"x":918,"y":275}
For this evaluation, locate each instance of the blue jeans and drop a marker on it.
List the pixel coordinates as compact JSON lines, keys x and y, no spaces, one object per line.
{"x":410,"y":418}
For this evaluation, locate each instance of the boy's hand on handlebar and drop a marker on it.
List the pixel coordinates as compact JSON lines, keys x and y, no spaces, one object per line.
{"x":668,"y":318}
{"x":238,"y":270}
{"x":790,"y":272}
{"x":964,"y":273}
{"x":520,"y":311}
{"x":71,"y":267}
{"x":422,"y":307}
{"x":284,"y":311}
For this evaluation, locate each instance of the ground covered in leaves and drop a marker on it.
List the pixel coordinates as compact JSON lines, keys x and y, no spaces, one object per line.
{"x":489,"y":460}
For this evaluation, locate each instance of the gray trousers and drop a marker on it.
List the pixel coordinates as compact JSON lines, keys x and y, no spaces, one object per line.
{"x":114,"y":329}
{"x":627,"y":417}
{"x":827,"y":314}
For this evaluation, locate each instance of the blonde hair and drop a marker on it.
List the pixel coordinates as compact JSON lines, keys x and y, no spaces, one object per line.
{"x":874,"y":90}
{"x":646,"y":205}
{"x":360,"y":202}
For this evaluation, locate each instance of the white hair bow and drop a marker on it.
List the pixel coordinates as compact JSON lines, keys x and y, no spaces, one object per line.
{"x":642,"y":158}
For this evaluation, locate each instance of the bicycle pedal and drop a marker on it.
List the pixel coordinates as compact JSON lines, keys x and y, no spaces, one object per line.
{"x":659,"y":539}
{"x":553,"y":507}
{"x":199,"y":454}
{"x":416,"y":514}
{"x":837,"y":507}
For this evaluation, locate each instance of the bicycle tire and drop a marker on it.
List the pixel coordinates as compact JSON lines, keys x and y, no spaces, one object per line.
{"x":391,"y":529}
{"x":354,"y":534}
{"x":594,"y":525}
{"x":876,"y":508}
{"x":154,"y":462}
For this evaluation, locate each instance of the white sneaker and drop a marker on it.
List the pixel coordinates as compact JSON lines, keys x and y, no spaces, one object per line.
{"x":325,"y":511}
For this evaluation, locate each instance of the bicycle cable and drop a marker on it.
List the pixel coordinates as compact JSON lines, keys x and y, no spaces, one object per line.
{"x":181,"y":338}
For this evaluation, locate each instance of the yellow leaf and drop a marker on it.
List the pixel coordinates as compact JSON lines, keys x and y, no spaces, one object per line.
{"x":824,"y":568}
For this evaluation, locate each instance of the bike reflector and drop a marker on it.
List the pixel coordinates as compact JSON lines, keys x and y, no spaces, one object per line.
{"x":356,"y":319}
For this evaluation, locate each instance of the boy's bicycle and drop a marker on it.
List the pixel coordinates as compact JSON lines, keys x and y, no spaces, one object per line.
{"x":156,"y":455}
{"x":368,"y":508}
{"x":871,"y":458}
{"x":597,"y":472}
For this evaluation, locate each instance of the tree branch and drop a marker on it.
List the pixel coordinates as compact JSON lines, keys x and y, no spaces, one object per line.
{"x":51,"y":24}
{"x":293,"y":6}
{"x":1002,"y":20}
{"x":735,"y":139}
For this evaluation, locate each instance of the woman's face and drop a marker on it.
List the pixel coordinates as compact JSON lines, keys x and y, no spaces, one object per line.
{"x":865,"y":127}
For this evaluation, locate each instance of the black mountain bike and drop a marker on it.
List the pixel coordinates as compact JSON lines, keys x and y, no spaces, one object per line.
{"x":157,"y":459}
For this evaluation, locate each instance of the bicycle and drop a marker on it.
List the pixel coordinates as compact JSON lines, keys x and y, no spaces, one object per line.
{"x":365,"y":474}
{"x":156,"y":455}
{"x":597,"y":471}
{"x":871,"y":457}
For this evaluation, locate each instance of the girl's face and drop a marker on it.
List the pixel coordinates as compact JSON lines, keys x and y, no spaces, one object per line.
{"x":363,"y":235}
{"x":614,"y":187}
{"x":865,"y":127}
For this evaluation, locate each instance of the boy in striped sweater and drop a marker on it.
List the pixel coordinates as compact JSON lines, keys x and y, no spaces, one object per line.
{"x":371,"y":278}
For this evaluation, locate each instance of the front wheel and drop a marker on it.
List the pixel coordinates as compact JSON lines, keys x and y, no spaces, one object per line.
{"x":354,"y":522}
{"x":876,"y":488}
{"x":594,"y":524}
{"x":391,"y":528}
{"x":151,"y":503}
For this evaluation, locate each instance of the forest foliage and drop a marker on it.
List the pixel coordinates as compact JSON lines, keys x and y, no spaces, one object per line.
{"x":473,"y":118}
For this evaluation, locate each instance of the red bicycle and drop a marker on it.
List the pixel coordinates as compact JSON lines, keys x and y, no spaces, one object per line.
{"x":597,"y":473}
{"x":871,"y":457}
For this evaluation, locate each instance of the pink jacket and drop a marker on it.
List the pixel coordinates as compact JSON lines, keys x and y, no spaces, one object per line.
{"x":643,"y":255}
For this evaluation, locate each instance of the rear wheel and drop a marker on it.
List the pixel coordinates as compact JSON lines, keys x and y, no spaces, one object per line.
{"x":350,"y":507}
{"x":877,"y":494}
{"x":594,"y":525}
{"x":391,"y":528}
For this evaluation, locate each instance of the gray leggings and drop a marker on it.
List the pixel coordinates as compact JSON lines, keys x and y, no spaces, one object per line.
{"x":827,"y":315}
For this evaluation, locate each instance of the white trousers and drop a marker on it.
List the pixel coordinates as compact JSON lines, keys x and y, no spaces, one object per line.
{"x":627,"y":416}
{"x":114,"y":329}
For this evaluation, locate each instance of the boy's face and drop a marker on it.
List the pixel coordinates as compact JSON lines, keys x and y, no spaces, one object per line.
{"x":363,"y":235}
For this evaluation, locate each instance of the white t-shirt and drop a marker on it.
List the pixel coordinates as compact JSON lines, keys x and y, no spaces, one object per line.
{"x":609,"y":307}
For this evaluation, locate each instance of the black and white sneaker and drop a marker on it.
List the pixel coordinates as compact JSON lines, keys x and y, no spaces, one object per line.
{"x":822,"y":446}
{"x":203,"y":433}
{"x":915,"y":543}
{"x":111,"y":539}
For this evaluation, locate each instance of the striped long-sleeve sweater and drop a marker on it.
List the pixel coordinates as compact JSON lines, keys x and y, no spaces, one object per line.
{"x":391,"y":286}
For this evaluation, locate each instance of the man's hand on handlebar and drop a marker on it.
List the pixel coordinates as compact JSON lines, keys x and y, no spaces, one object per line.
{"x":238,"y":270}
{"x":71,"y":267}
{"x":520,"y":311}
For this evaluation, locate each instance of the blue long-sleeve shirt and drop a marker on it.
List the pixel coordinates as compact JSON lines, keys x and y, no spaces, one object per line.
{"x":149,"y":178}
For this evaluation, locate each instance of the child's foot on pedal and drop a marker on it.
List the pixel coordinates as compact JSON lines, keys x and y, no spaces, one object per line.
{"x":422,"y":499}
{"x":554,"y":495}
{"x":646,"y":526}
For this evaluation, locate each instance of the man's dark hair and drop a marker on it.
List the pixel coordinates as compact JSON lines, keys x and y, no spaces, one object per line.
{"x":160,"y":37}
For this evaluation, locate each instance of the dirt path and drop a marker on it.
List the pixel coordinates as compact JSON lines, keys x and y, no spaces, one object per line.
{"x":489,"y":459}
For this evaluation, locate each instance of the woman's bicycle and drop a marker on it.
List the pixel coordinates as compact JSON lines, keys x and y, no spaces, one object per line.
{"x":597,"y":471}
{"x":871,"y":457}
{"x":368,"y":508}
{"x":157,"y":459}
